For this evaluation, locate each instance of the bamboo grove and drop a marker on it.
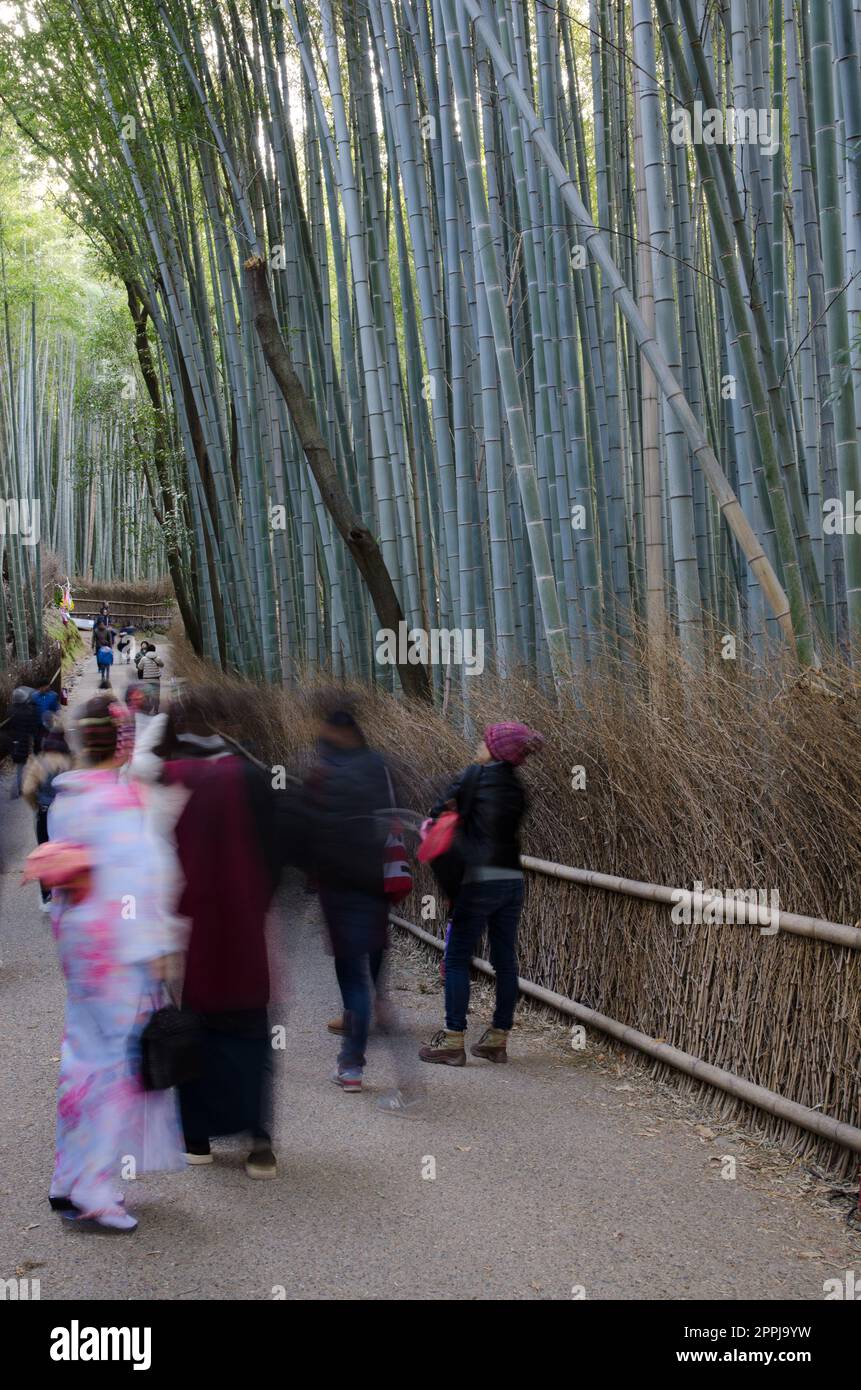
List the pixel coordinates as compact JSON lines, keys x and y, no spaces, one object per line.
{"x":65,"y":482}
{"x":73,"y":502}
{"x":528,"y":318}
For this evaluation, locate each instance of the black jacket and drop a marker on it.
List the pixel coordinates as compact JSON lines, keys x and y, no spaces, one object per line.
{"x":23,"y":725}
{"x":490,"y":835}
{"x":347,"y":796}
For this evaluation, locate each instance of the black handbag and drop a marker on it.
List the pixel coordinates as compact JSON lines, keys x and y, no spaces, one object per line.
{"x":170,"y":1049}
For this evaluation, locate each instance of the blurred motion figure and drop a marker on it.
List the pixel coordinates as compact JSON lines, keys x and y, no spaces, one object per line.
{"x":112,"y":941}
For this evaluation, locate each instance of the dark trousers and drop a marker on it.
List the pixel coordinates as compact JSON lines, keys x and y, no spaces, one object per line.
{"x":41,"y":838}
{"x":233,"y":1093}
{"x":495,"y":905}
{"x":104,"y":677}
{"x":357,"y":974}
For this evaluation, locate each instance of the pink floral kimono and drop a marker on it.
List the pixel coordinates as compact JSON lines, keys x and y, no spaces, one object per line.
{"x":108,"y":1127}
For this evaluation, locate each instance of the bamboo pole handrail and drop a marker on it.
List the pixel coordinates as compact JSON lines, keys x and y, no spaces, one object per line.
{"x":815,"y":928}
{"x":801,"y":1115}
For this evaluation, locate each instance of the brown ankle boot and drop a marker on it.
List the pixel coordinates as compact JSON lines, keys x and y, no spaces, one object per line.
{"x":445,"y":1047}
{"x":492,"y":1045}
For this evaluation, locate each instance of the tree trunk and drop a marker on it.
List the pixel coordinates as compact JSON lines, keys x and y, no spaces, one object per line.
{"x":361,"y":544}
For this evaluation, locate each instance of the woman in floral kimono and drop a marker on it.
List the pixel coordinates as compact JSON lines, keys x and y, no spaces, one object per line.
{"x":113,"y":941}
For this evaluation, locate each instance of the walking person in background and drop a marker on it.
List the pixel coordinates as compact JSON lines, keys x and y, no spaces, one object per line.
{"x":230,"y":852}
{"x":22,"y":729}
{"x":150,"y":669}
{"x":491,"y":893}
{"x":125,"y":642}
{"x":39,"y":788}
{"x":105,"y":661}
{"x":47,"y":703}
{"x":350,"y":801}
{"x":113,"y":961}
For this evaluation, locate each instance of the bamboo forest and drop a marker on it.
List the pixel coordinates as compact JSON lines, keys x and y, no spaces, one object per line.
{"x":533,"y":320}
{"x":430,"y":638}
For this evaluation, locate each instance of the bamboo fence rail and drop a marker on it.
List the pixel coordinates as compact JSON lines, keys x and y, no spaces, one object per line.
{"x":729,"y":909}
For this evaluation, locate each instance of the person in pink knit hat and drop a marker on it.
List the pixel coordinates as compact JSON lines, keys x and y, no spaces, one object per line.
{"x":491,"y":803}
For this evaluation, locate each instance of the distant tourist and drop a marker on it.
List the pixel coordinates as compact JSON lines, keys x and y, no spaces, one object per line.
{"x":125,"y":642}
{"x":104,"y":661}
{"x":103,"y":635}
{"x":22,"y":727}
{"x":47,"y":703}
{"x":149,"y":670}
{"x":39,"y":787}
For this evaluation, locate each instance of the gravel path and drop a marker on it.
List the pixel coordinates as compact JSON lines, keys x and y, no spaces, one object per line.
{"x":562,"y":1169}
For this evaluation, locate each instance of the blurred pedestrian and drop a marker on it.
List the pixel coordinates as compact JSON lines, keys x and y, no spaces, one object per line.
{"x":350,"y":805}
{"x":39,"y":787}
{"x":491,"y":801}
{"x":22,"y":729}
{"x":230,"y":854}
{"x":104,"y":661}
{"x":47,"y":703}
{"x":125,"y":643}
{"x":113,"y":944}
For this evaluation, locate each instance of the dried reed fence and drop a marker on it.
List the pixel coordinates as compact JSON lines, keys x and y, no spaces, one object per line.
{"x":148,"y":592}
{"x":740,"y":782}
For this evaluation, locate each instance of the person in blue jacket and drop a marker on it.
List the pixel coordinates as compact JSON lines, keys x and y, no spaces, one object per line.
{"x":47,"y":703}
{"x":104,"y":661}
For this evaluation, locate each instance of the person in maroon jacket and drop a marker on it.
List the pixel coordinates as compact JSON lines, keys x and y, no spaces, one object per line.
{"x":229,"y":851}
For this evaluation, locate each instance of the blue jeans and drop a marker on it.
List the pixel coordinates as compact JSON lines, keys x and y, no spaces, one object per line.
{"x":356,"y":974}
{"x":496,"y":905}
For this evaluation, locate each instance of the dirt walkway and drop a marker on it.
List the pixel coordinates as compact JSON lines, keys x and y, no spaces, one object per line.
{"x":561,"y":1171}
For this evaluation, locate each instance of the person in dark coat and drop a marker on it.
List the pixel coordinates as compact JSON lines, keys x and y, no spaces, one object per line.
{"x":492,"y":803}
{"x":22,"y":728}
{"x":349,"y":797}
{"x":230,"y":854}
{"x":39,"y":790}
